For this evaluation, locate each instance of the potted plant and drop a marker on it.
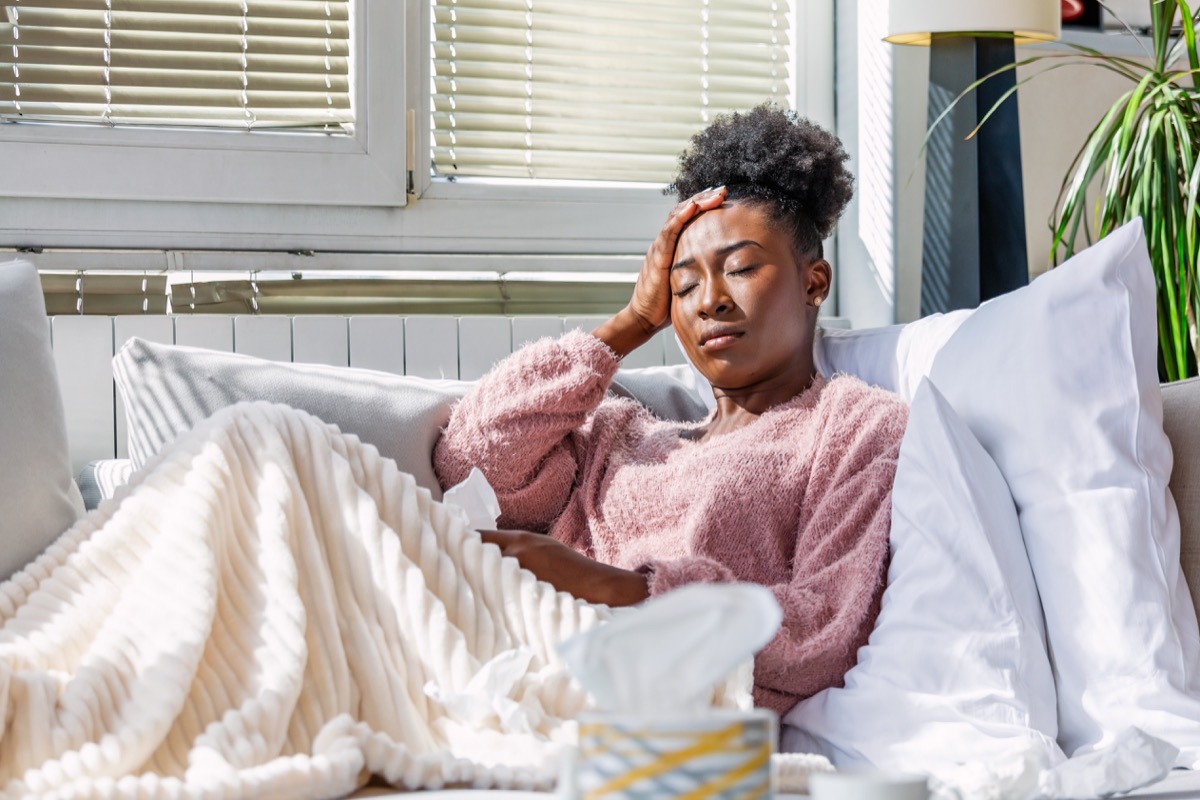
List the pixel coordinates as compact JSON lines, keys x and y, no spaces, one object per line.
{"x":1144,"y":157}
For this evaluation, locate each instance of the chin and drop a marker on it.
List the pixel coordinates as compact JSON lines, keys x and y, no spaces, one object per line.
{"x":723,"y":377}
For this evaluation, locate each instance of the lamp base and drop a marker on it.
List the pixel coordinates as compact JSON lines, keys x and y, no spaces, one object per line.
{"x":974,"y":245}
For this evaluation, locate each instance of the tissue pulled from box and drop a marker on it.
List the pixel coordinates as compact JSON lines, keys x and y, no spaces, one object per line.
{"x":475,"y":498}
{"x":665,"y":656}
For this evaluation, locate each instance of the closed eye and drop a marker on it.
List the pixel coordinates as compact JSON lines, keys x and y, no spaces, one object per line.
{"x":683,"y":290}
{"x":743,"y":270}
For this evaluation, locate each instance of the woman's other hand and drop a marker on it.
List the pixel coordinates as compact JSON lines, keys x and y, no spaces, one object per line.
{"x":649,"y":310}
{"x":568,"y":571}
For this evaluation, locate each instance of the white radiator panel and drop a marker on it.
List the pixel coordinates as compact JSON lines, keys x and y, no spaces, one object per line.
{"x":584,"y":324}
{"x":263,"y":337}
{"x":431,"y":347}
{"x":211,"y":332}
{"x":648,"y":355}
{"x":321,"y":340}
{"x":377,"y":343}
{"x":530,"y":329}
{"x":482,"y":341}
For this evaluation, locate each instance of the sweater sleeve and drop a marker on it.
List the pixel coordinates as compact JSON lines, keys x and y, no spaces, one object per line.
{"x":523,"y":424}
{"x":839,"y":564}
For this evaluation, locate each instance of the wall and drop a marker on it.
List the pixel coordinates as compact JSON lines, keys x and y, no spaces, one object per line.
{"x":881,"y":118}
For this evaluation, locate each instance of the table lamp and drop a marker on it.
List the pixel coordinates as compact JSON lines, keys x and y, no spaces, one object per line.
{"x":974,"y":246}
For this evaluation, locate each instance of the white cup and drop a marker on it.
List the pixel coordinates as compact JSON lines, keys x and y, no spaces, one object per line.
{"x":867,"y":785}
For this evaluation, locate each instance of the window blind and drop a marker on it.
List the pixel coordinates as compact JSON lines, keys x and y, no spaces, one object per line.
{"x":104,"y":292}
{"x":440,"y":293}
{"x":241,"y":63}
{"x":595,"y":89}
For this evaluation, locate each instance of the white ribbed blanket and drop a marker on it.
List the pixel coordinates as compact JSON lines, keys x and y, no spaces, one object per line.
{"x":258,"y":613}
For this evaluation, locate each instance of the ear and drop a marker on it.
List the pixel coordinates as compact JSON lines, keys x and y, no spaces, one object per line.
{"x":817,"y":279}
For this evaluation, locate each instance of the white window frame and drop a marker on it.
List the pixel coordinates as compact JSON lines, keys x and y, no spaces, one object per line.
{"x":78,"y":161}
{"x":467,"y":216}
{"x":626,"y":216}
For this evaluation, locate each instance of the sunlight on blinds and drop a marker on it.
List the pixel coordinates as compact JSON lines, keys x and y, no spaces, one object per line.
{"x":602,"y":89}
{"x":240,"y":63}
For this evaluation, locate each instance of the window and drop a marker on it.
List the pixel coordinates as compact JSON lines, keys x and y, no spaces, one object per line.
{"x":217,"y":184}
{"x":117,"y":100}
{"x":602,"y":90}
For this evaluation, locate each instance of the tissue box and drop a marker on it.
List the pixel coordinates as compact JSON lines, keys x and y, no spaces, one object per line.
{"x":723,"y":754}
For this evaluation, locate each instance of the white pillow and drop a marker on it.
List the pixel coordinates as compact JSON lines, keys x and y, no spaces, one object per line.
{"x":1059,"y":383}
{"x":896,"y":357}
{"x":38,"y":498}
{"x":956,"y":669}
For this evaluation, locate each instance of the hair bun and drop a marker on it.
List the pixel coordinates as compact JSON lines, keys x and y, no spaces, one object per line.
{"x":771,"y":155}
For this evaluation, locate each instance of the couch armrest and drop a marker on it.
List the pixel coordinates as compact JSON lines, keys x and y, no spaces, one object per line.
{"x":1181,"y":413}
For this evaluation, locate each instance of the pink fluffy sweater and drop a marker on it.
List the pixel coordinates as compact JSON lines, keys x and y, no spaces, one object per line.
{"x":798,"y":500}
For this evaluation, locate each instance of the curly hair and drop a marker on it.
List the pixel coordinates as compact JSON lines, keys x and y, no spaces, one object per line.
{"x":771,"y":157}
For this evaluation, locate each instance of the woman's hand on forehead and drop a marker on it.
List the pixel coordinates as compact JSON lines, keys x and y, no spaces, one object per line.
{"x":652,"y":295}
{"x":649,"y":310}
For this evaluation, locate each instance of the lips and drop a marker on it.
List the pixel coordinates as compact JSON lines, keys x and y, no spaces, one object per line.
{"x":717,"y":338}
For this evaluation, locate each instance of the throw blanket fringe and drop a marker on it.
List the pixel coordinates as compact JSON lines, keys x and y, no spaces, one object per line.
{"x":269,"y":609}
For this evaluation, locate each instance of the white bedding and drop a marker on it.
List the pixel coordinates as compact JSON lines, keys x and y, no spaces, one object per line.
{"x":258,"y":612}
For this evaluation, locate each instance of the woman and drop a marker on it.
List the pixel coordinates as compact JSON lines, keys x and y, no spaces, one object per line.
{"x":787,"y":484}
{"x":271,"y":608}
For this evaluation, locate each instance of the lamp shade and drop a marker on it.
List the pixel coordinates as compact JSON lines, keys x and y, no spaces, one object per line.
{"x":916,"y":21}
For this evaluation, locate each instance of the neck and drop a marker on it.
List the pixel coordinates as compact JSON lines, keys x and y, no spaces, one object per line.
{"x":740,"y":406}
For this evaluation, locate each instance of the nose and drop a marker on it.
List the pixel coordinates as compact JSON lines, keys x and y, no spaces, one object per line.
{"x":715,"y":299}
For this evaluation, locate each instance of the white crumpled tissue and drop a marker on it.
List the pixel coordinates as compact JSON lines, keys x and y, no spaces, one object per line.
{"x":668,"y":655}
{"x":476,"y":498}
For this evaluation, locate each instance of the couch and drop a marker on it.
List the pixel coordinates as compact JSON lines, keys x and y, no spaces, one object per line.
{"x":35,"y":437}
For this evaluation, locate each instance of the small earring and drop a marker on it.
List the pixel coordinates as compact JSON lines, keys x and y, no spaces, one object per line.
{"x":817,"y":302}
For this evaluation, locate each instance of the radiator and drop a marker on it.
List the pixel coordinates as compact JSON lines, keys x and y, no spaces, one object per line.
{"x":429,"y":346}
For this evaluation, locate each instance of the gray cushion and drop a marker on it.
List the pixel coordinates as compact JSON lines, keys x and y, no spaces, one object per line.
{"x":669,"y":392}
{"x":167,"y":389}
{"x":38,"y":498}
{"x":1181,"y":420}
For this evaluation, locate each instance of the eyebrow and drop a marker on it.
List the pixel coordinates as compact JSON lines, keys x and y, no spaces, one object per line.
{"x":723,"y":251}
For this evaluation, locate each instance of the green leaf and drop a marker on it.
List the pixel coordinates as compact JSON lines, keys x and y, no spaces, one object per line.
{"x":1189,"y":34}
{"x":1162,"y":16}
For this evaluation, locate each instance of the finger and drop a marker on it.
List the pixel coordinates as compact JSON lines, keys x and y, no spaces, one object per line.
{"x":709,"y":194}
{"x":501,"y":538}
{"x":688,"y":209}
{"x":710,"y":198}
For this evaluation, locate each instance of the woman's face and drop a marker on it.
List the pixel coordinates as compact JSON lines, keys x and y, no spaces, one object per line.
{"x":741,"y":304}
